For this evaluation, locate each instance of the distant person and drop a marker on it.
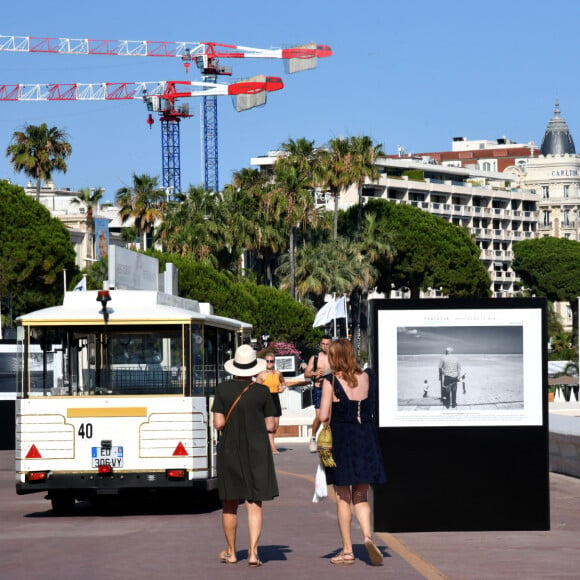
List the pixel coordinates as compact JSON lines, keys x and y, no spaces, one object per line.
{"x":275,"y":382}
{"x":316,"y":368}
{"x":348,"y":401}
{"x":425,"y":388}
{"x":449,"y":374}
{"x":244,"y":413}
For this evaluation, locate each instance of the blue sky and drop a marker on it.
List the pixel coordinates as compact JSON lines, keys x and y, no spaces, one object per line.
{"x":411,"y":74}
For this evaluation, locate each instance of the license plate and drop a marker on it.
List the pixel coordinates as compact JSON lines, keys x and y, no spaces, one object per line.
{"x":112,"y":456}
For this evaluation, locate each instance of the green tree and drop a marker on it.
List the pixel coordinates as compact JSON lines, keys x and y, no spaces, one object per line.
{"x":334,"y":266}
{"x":294,"y":326}
{"x":292,"y":205}
{"x":144,"y":202}
{"x":189,"y":225}
{"x":301,"y":154}
{"x":246,"y":223}
{"x":344,"y":162}
{"x":364,"y":154}
{"x":35,"y":249}
{"x":550,"y":267}
{"x":38,"y":151}
{"x":428,"y":252}
{"x":90,"y":198}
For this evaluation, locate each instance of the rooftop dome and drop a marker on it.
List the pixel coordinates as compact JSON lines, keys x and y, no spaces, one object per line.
{"x":557,"y":139}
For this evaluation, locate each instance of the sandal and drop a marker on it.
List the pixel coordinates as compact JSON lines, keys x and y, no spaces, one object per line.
{"x":225,"y":556}
{"x":343,"y":558}
{"x":375,"y":554}
{"x":254,"y":563}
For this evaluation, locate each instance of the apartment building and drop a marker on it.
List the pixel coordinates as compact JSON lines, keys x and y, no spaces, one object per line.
{"x":491,"y":206}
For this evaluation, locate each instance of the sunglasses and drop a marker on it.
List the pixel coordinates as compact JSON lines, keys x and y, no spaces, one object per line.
{"x":269,"y":360}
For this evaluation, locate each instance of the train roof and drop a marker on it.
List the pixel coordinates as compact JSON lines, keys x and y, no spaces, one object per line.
{"x":128,"y":307}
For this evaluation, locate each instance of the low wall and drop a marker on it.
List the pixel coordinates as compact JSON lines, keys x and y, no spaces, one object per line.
{"x":564,"y":448}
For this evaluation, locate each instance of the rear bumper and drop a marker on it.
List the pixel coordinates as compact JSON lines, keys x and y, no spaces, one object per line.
{"x":88,"y":484}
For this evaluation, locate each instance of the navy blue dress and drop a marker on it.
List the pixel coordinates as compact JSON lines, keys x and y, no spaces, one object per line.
{"x":355,"y":445}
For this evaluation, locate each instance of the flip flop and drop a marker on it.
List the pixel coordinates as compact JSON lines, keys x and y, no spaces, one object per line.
{"x":375,"y":554}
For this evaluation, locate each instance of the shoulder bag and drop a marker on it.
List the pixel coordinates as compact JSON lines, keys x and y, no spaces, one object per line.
{"x":324,"y":441}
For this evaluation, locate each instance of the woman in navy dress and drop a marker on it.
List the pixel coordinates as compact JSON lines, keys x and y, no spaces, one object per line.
{"x":348,"y":401}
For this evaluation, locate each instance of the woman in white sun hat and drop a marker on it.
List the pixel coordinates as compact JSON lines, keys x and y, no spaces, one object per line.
{"x":244,"y":413}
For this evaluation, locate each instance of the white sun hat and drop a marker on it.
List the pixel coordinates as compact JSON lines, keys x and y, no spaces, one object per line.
{"x":245,"y":363}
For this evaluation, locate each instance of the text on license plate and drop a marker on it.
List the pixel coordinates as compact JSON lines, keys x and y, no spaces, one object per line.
{"x":112,"y":456}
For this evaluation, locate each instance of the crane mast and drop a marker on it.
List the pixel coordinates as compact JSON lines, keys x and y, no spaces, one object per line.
{"x":206,"y":56}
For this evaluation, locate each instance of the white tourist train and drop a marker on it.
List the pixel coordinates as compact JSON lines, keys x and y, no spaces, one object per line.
{"x":117,"y":398}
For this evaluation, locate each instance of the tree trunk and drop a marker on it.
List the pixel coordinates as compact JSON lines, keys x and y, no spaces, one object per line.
{"x":292,"y":253}
{"x":359,"y":209}
{"x":335,"y":223}
{"x":38,"y":184}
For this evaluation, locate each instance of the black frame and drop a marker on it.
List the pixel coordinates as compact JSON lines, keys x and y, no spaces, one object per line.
{"x":464,"y":477}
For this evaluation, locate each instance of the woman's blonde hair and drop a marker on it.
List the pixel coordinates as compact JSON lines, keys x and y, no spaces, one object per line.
{"x":342,"y":360}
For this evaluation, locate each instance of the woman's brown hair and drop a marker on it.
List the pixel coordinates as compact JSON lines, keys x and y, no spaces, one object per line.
{"x":342,"y":360}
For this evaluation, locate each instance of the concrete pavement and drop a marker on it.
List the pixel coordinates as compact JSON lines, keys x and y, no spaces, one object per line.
{"x":298,"y":540}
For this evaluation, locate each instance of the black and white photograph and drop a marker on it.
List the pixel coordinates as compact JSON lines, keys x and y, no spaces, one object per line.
{"x":459,"y":367}
{"x":285,"y":363}
{"x":467,"y":367}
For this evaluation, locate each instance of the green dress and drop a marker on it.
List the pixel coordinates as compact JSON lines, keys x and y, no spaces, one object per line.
{"x":245,"y":464}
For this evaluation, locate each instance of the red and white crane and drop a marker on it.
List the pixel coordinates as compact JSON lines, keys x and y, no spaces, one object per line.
{"x":168,"y":90}
{"x":160,"y":96}
{"x":187,"y":51}
{"x":206,"y":56}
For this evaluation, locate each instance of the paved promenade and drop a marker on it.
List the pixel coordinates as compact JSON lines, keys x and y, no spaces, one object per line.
{"x":298,"y":540}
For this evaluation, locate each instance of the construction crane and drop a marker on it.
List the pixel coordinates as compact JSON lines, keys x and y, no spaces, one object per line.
{"x":160,"y":97}
{"x":206,"y":56}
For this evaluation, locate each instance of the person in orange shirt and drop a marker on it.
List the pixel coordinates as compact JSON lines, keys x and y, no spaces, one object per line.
{"x":274,"y":380}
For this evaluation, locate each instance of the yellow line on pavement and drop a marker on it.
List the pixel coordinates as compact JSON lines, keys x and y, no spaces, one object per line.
{"x":414,"y":560}
{"x":422,"y":566}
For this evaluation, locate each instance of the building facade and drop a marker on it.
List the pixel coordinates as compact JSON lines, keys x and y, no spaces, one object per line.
{"x":491,"y":206}
{"x":62,"y":204}
{"x":499,"y":190}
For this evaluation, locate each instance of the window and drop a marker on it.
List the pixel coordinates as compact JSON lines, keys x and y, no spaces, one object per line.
{"x":545,"y":192}
{"x":546,"y":218}
{"x":566,"y":191}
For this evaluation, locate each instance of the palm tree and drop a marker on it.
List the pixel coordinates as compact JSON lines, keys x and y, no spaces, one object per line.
{"x":333,"y":266}
{"x":250,"y":220}
{"x":145,"y":202}
{"x":301,"y":154}
{"x":374,"y":244}
{"x":38,"y":151}
{"x":364,"y":155}
{"x":293,"y":205}
{"x":344,"y":162}
{"x":89,"y":197}
{"x":331,"y":173}
{"x":189,"y":225}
